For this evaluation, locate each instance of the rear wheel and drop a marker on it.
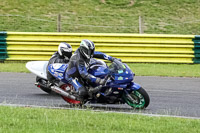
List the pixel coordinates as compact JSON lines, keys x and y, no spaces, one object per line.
{"x":138,"y":99}
{"x":68,"y":87}
{"x":44,"y":83}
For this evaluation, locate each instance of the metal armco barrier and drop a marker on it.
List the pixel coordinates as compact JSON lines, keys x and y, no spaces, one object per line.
{"x":150,"y":48}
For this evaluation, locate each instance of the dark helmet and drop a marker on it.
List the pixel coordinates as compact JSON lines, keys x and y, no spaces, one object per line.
{"x":87,"y":48}
{"x":65,"y":50}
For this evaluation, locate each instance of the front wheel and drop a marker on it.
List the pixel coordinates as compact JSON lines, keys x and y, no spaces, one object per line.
{"x":137,"y":99}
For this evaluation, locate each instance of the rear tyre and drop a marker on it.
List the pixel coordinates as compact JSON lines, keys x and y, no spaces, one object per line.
{"x":138,"y":99}
{"x":43,"y":82}
{"x":68,"y":87}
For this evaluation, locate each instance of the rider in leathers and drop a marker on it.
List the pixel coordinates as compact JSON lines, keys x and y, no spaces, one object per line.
{"x":78,"y":67}
{"x":63,"y":55}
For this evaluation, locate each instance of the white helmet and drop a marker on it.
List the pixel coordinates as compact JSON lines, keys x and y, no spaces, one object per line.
{"x":65,"y":50}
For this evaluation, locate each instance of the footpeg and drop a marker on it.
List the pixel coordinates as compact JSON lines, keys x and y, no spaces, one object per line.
{"x":94,"y":90}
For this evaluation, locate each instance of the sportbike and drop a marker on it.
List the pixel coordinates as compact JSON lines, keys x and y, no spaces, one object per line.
{"x":119,"y":88}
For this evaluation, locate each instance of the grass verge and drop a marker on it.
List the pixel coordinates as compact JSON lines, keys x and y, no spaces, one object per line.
{"x":18,"y":119}
{"x":100,"y":16}
{"x":13,"y":67}
{"x":171,"y":70}
{"x":140,"y":69}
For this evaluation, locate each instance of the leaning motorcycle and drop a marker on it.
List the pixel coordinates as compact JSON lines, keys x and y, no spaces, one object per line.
{"x":119,"y":88}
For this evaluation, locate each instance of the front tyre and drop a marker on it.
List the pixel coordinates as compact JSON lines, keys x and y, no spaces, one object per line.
{"x":138,"y":99}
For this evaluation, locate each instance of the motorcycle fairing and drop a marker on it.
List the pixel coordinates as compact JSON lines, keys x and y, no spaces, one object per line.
{"x":38,"y":68}
{"x":112,"y":84}
{"x":124,"y":75}
{"x":134,"y":86}
{"x":58,"y":70}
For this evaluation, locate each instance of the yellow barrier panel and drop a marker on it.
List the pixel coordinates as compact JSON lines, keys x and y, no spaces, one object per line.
{"x":128,"y":47}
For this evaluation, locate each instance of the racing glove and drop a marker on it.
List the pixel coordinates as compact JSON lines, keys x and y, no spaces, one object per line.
{"x":113,"y":59}
{"x":100,"y":81}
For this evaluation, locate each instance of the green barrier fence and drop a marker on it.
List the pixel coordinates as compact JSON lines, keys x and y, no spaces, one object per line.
{"x":197,"y":49}
{"x":150,"y":48}
{"x":3,"y":46}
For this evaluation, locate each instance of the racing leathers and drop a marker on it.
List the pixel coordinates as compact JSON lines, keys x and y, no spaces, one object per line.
{"x":56,"y":58}
{"x":77,"y":71}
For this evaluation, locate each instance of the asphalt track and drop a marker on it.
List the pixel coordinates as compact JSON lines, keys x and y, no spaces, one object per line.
{"x":177,"y":96}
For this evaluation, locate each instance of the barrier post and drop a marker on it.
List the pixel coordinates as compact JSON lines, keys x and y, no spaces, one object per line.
{"x":59,"y":23}
{"x":141,"y":30}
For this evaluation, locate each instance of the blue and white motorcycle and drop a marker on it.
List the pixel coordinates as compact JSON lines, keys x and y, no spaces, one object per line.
{"x":119,"y":88}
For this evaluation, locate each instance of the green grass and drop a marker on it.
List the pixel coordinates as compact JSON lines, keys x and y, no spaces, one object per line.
{"x":18,"y":119}
{"x":172,"y":70}
{"x":13,"y":67}
{"x":140,"y":69}
{"x":111,"y":16}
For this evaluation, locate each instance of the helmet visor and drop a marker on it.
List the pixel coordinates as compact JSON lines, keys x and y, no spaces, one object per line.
{"x":67,"y":54}
{"x":91,"y":53}
{"x":88,"y":53}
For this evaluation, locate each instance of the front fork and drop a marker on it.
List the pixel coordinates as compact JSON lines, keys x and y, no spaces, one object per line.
{"x":133,"y":87}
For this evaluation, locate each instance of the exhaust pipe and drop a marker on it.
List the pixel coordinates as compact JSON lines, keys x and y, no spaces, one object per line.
{"x":39,"y":85}
{"x":62,"y":92}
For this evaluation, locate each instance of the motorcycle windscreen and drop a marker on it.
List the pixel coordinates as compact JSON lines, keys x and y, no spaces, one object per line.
{"x":121,"y":72}
{"x":58,"y":70}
